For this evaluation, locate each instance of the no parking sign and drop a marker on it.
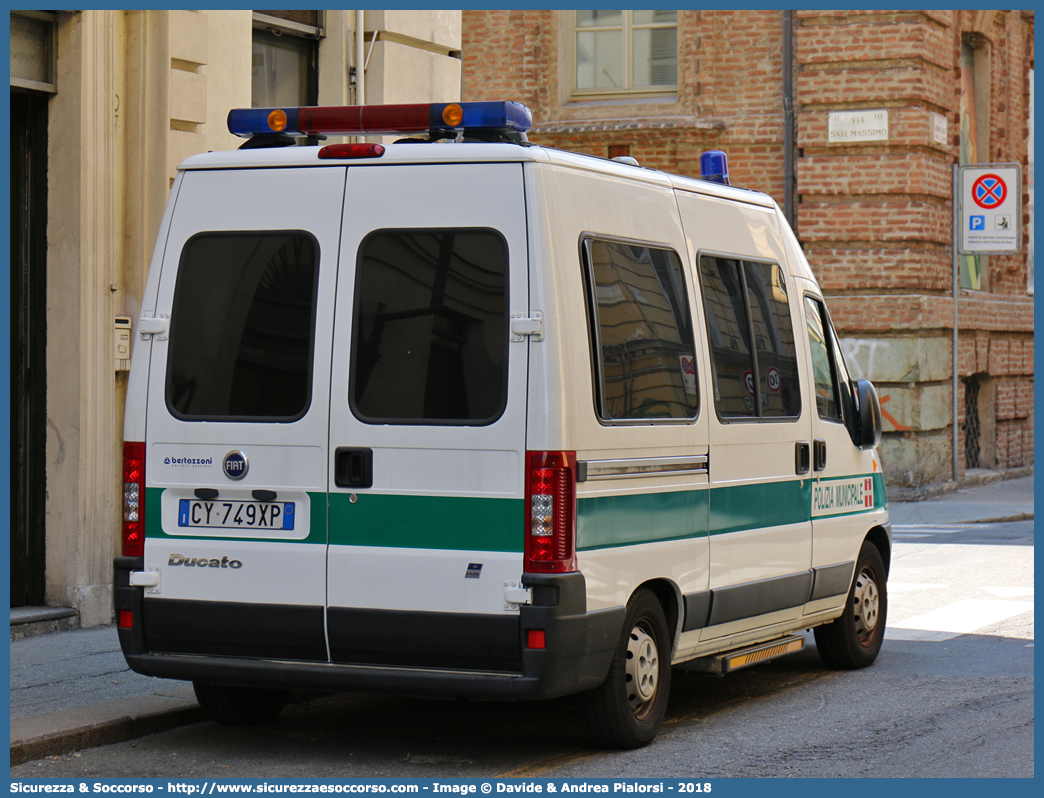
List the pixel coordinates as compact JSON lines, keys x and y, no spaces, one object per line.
{"x":990,"y":201}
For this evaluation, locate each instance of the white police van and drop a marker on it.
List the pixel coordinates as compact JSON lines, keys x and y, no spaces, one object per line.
{"x":464,"y":416}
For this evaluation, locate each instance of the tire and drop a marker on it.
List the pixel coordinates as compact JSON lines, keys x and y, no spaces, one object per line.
{"x":240,"y":706}
{"x":854,"y":639}
{"x":626,"y":710}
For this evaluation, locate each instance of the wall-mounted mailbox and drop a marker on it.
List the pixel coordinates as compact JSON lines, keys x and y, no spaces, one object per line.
{"x":122,"y":341}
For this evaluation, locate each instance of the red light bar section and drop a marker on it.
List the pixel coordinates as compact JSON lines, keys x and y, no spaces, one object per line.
{"x":366,"y":120}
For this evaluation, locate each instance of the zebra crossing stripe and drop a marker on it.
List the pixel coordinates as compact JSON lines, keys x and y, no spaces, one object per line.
{"x":960,"y":618}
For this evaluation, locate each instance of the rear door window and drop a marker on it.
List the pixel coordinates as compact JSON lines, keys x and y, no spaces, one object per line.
{"x":242,"y":327}
{"x":430,"y":336}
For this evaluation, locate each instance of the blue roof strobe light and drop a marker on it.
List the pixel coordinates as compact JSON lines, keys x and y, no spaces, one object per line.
{"x":714,"y":167}
{"x":507,"y":115}
{"x":366,"y":120}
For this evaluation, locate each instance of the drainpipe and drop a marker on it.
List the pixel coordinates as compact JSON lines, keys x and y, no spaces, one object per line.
{"x":789,"y":176}
{"x":360,"y":65}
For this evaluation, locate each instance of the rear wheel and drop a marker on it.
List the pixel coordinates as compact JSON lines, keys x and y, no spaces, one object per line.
{"x":854,"y":639}
{"x":626,"y":711}
{"x":240,"y":706}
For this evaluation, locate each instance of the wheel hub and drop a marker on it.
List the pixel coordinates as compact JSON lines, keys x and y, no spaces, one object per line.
{"x":866,"y":601}
{"x":643,"y":668}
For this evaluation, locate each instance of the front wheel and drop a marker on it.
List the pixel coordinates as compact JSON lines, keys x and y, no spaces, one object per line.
{"x":626,"y":711}
{"x":854,"y":639}
{"x":240,"y":706}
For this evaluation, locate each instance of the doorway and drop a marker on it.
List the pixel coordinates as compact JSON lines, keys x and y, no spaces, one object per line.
{"x":28,"y":344}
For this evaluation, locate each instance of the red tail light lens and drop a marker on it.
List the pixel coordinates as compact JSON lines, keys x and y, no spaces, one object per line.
{"x":126,"y":619}
{"x":133,"y":499}
{"x":550,"y":512}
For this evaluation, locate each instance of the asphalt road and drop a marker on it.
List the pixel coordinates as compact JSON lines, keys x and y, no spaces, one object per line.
{"x":951,"y":695}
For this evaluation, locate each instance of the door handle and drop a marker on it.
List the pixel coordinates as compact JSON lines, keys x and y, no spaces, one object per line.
{"x":819,"y":455}
{"x":801,"y":457}
{"x":353,"y":467}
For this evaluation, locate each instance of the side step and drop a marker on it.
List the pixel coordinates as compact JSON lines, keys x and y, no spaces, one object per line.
{"x":743,"y":657}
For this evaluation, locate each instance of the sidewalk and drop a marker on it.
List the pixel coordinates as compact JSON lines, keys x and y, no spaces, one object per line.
{"x":73,"y":690}
{"x":1009,"y":500}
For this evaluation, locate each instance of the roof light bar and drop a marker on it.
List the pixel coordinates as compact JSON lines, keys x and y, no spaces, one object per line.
{"x":380,"y":120}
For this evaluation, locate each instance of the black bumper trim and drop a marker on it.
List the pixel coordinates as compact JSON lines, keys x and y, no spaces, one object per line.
{"x":579,"y":646}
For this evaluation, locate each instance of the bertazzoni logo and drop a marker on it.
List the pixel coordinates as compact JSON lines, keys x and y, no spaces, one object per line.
{"x":235,"y":465}
{"x":197,"y":462}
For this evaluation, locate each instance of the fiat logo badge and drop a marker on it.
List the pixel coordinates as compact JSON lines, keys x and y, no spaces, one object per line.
{"x":235,"y":465}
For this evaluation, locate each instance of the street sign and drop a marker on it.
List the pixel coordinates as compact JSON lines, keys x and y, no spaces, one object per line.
{"x":990,"y":217}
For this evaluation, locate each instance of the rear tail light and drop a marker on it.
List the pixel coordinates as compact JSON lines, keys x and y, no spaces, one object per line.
{"x":126,"y":619}
{"x":536,"y":638}
{"x":133,"y":499}
{"x":550,"y":512}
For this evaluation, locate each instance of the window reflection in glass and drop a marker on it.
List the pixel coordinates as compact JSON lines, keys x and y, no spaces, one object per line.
{"x":745,"y":302}
{"x":645,"y":361}
{"x":242,"y":327}
{"x":430,"y":332}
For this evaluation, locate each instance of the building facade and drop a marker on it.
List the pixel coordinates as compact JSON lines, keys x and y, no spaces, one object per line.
{"x":105,"y":105}
{"x":852,"y":121}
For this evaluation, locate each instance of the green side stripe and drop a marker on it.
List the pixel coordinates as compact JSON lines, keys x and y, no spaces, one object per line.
{"x":483,"y":524}
{"x":607,"y":521}
{"x":427,"y":522}
{"x":765,"y":504}
{"x":880,"y":493}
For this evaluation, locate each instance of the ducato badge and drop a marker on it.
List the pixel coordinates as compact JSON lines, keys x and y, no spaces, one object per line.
{"x":235,"y":465}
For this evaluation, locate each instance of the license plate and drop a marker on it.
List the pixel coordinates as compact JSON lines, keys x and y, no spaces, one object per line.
{"x":235,"y":514}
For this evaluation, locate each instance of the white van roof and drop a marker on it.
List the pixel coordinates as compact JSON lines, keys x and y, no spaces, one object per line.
{"x":479,"y":152}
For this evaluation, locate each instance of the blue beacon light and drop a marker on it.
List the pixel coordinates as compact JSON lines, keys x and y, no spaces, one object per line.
{"x":714,"y":167}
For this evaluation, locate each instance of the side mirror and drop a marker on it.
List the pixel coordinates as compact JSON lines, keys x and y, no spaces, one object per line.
{"x":869,"y":414}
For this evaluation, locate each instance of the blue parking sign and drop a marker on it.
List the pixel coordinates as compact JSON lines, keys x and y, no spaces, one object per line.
{"x":976,"y":222}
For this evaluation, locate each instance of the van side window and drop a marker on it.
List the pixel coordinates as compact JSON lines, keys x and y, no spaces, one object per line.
{"x":644,"y":354}
{"x":823,"y":370}
{"x":242,"y":326}
{"x":429,"y":344}
{"x":751,"y":336}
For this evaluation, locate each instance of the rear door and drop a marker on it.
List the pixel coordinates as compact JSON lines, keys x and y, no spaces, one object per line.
{"x":427,"y":418}
{"x":237,"y":415}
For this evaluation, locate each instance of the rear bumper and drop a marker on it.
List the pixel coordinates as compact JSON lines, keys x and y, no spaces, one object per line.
{"x":579,"y":648}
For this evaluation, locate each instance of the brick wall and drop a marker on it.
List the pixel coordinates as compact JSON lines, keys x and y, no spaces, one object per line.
{"x":874,"y":218}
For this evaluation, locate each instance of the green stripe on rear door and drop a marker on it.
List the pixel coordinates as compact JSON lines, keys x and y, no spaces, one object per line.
{"x":427,"y":522}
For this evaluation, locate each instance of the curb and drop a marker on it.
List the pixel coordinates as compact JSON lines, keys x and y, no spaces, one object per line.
{"x":30,"y":621}
{"x":101,"y":724}
{"x":1007,"y":519}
